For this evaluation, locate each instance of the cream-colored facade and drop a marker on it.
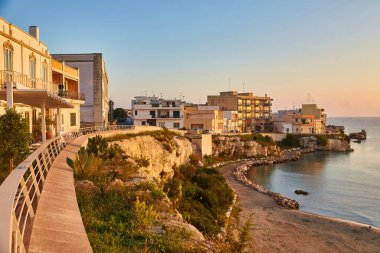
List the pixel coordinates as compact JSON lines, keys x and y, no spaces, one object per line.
{"x":203,"y":118}
{"x":34,"y":84}
{"x":319,"y":115}
{"x":254,"y":112}
{"x":307,"y":120}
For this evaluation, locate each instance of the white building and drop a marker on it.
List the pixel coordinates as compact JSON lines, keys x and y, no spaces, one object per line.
{"x":153,"y":111}
{"x":230,"y":121}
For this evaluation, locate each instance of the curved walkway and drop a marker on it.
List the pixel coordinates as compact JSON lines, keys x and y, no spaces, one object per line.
{"x":58,"y":225}
{"x":279,"y":230}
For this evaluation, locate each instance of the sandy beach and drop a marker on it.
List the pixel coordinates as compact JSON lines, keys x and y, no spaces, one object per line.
{"x":279,"y":230}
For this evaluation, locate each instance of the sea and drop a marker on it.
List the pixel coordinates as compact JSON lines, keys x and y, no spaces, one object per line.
{"x":341,"y":185}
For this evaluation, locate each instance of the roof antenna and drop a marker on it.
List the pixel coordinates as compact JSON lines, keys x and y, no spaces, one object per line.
{"x":229,"y":83}
{"x":243,"y":87}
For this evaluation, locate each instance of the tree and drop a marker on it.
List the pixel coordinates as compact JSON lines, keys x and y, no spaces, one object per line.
{"x":15,"y":138}
{"x":120,"y":113}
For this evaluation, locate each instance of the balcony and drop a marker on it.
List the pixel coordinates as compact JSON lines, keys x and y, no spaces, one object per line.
{"x":22,"y":81}
{"x":68,"y":94}
{"x":34,"y":92}
{"x":169,"y":117}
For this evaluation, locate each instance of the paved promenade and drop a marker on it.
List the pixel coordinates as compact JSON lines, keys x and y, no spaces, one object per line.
{"x":58,"y":225}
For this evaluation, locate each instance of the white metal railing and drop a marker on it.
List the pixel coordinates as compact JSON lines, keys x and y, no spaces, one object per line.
{"x":19,"y":80}
{"x":20,"y":192}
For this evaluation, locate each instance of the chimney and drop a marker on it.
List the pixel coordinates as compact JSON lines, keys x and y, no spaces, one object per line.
{"x":35,"y":32}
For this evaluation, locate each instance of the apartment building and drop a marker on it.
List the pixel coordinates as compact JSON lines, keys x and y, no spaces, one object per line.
{"x":34,"y":84}
{"x":201,"y":117}
{"x":319,"y":115}
{"x":254,"y":112}
{"x":94,"y":83}
{"x":307,"y":120}
{"x":154,"y":111}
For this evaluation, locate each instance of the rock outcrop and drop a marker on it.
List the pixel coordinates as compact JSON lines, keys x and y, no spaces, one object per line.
{"x":336,"y":145}
{"x":235,"y":146}
{"x":153,"y":158}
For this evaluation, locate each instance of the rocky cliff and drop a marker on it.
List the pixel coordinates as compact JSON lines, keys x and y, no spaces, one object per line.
{"x":155,"y":158}
{"x":240,"y":147}
{"x":329,"y":145}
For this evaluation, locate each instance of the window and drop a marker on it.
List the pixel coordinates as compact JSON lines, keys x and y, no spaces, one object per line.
{"x":8,"y":59}
{"x":176,"y":114}
{"x":161,"y":124}
{"x":143,"y":123}
{"x":44,"y":72}
{"x":34,"y":117}
{"x":32,"y":71}
{"x":176,"y":125}
{"x":27,"y":118}
{"x":9,"y":64}
{"x":135,"y":112}
{"x":73,"y":119}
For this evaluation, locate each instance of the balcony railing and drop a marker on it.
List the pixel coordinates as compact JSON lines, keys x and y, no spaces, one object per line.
{"x":22,"y":81}
{"x":71,"y":95}
{"x":21,"y":190}
{"x":19,"y":80}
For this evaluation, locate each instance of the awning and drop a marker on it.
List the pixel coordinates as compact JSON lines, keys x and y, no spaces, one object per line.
{"x":36,"y":98}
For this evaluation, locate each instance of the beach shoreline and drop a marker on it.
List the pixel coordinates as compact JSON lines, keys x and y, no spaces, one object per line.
{"x":276,"y":229}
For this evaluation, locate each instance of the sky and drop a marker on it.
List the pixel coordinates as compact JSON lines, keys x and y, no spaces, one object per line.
{"x":321,"y":51}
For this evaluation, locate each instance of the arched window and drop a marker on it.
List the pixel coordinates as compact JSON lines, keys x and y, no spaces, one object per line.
{"x":32,"y":70}
{"x":8,"y":54}
{"x":45,"y":77}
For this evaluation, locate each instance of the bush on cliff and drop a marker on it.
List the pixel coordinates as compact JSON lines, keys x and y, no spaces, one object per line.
{"x":263,"y":140}
{"x":204,"y":198}
{"x":290,"y":141}
{"x":321,"y":140}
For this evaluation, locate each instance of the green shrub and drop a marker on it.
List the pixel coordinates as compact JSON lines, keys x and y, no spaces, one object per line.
{"x":321,"y":140}
{"x":204,"y":198}
{"x":83,"y":161}
{"x":97,"y":145}
{"x":144,"y":215}
{"x":290,"y":141}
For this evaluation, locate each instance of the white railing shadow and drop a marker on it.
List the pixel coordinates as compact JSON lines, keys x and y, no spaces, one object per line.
{"x":20,"y":191}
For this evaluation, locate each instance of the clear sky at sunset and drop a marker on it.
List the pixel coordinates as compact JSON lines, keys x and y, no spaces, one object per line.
{"x":329,"y":49}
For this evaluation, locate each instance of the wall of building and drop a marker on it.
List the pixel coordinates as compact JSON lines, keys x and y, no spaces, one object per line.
{"x":26,"y":47}
{"x":93,"y":83}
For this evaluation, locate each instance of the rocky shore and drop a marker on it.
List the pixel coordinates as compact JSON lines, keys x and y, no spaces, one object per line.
{"x":287,"y":155}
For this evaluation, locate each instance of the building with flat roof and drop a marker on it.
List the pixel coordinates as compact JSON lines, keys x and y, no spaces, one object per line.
{"x":254,"y":112}
{"x":94,"y":83}
{"x":198,"y":117}
{"x":154,"y":111}
{"x":308,"y":120}
{"x":36,"y":85}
